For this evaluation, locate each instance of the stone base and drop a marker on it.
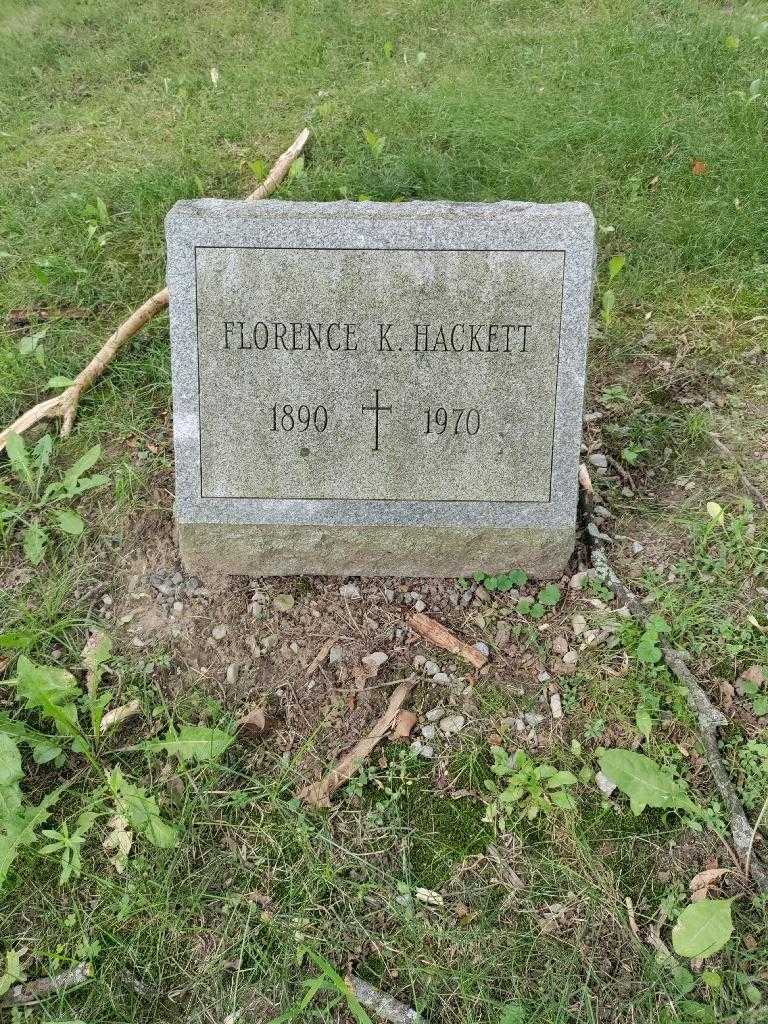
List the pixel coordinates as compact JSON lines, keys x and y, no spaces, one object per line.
{"x":373,"y":550}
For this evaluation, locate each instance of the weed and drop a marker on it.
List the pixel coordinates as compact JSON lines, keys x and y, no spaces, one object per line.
{"x":528,"y":789}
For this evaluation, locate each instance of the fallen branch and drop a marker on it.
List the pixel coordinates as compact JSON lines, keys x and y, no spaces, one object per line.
{"x":759,"y":497}
{"x":380,"y":1004}
{"x":35,"y":991}
{"x":710,"y":719}
{"x":64,"y":406}
{"x":319,"y":794}
{"x":440,"y":636}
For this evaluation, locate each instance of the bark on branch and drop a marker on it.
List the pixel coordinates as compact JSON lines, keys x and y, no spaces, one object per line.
{"x":709,"y":717}
{"x":64,"y":406}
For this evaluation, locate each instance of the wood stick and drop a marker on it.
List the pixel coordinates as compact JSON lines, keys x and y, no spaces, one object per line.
{"x":709,"y":717}
{"x":441,"y":636}
{"x":319,"y":794}
{"x":64,"y":406}
{"x":724,"y":450}
{"x":35,"y":991}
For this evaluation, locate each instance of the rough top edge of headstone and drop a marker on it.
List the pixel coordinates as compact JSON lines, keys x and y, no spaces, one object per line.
{"x":575,"y":213}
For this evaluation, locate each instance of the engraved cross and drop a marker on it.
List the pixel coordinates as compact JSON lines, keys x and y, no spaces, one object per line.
{"x":376,"y":409}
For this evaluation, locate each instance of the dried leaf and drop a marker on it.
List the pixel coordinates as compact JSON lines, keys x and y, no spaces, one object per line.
{"x":700,"y":884}
{"x":699,"y":167}
{"x":118,"y":842}
{"x":119,"y":715}
{"x":404,"y":725}
{"x":253,"y":725}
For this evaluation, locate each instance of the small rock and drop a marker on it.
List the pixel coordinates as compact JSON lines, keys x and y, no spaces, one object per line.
{"x":177,"y":578}
{"x":419,"y":606}
{"x":637,"y":547}
{"x":556,"y":705}
{"x":428,"y":732}
{"x":599,"y":460}
{"x":482,"y":647}
{"x":427,"y":751}
{"x":533,"y":718}
{"x":430,"y":668}
{"x":481,"y":593}
{"x":233,"y":671}
{"x":579,"y":579}
{"x":602,"y":512}
{"x":441,"y":677}
{"x":107,"y":601}
{"x":503,"y":634}
{"x":578,"y":624}
{"x":283,"y":602}
{"x":350,"y":591}
{"x":452,"y":724}
{"x":373,"y":662}
{"x":435,"y":713}
{"x":544,"y":677}
{"x":166,"y":589}
{"x":604,"y":784}
{"x":335,"y":655}
{"x":389,"y":595}
{"x":560,"y":645}
{"x":570,"y":658}
{"x":419,"y":661}
{"x":219,"y":632}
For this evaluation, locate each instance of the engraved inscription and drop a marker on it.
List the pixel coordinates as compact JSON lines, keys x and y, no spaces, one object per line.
{"x":378,"y":374}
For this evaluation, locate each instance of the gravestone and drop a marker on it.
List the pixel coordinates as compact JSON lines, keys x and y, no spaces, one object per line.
{"x":378,"y":389}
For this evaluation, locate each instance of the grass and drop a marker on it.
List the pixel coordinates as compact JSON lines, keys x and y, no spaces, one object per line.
{"x":109,"y":113}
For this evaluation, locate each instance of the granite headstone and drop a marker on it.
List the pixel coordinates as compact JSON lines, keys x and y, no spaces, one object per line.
{"x":378,"y":389}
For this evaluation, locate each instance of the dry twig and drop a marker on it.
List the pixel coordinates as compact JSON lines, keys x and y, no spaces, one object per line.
{"x":319,"y":793}
{"x":440,"y":636}
{"x":724,"y":450}
{"x":35,"y":991}
{"x":380,"y":1004}
{"x":709,"y":717}
{"x":64,"y":406}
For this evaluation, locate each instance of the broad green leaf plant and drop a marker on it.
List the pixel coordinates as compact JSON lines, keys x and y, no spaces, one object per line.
{"x":73,"y":714}
{"x":525,"y":789}
{"x":32,"y":507}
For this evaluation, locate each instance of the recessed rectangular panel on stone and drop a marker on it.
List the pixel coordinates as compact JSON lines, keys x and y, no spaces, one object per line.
{"x":375,"y":388}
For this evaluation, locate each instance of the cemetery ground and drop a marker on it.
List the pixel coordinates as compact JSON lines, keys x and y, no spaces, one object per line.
{"x":176,"y":860}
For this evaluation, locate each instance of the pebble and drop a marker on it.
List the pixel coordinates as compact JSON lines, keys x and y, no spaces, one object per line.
{"x":373,"y":662}
{"x":178,"y":607}
{"x":219,"y":632}
{"x":560,"y":645}
{"x":336,"y":654}
{"x":556,"y":704}
{"x":602,"y":512}
{"x":604,"y":784}
{"x":419,"y":606}
{"x":233,"y":671}
{"x":435,"y":713}
{"x":389,"y":595}
{"x":441,"y":677}
{"x":452,"y":724}
{"x":283,"y":602}
{"x":177,"y":578}
{"x":544,"y":677}
{"x":481,"y":594}
{"x":166,"y":589}
{"x":533,"y":718}
{"x":482,"y":647}
{"x":107,"y":601}
{"x":637,"y":547}
{"x":570,"y":658}
{"x":579,"y":578}
{"x":578,"y":624}
{"x":431,"y":668}
{"x":599,"y":460}
{"x":503,"y":634}
{"x":350,"y":591}
{"x":428,"y":732}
